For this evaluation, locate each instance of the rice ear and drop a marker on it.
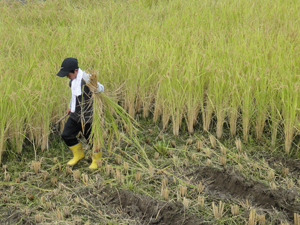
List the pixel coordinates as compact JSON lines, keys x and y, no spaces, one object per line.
{"x":109,"y":117}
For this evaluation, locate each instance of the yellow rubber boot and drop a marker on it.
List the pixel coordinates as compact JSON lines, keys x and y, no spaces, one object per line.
{"x":77,"y":154}
{"x":96,"y":155}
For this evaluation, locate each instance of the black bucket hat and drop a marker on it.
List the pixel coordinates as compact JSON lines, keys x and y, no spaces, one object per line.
{"x":68,"y":65}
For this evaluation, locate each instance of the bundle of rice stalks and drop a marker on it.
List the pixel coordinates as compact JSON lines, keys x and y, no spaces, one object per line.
{"x":108,"y":116}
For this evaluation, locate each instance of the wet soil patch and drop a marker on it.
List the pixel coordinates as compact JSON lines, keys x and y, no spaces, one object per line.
{"x":147,"y":210}
{"x":231,"y":184}
{"x":9,"y":217}
{"x":278,"y":162}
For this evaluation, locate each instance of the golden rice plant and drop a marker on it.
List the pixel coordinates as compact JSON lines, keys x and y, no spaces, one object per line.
{"x":126,"y":167}
{"x":194,"y":157}
{"x":173,"y":144}
{"x":36,"y":166}
{"x":22,"y":188}
{"x":6,"y":177}
{"x":186,"y":162}
{"x":99,"y":163}
{"x":136,"y":157}
{"x":246,"y":204}
{"x":119,"y":176}
{"x":285,"y":171}
{"x":189,"y":141}
{"x":151,"y":171}
{"x":85,"y":178}
{"x":138,"y":176}
{"x":12,"y":189}
{"x":245,"y":156}
{"x":238,"y":144}
{"x":178,"y":196}
{"x":223,"y":150}
{"x":261,"y":219}
{"x":4,"y":168}
{"x":39,"y":218}
{"x":235,"y":210}
{"x":16,"y":205}
{"x":222,"y":84}
{"x":53,"y":181}
{"x":61,"y":186}
{"x":118,"y":159}
{"x":207,"y":152}
{"x":254,"y":166}
{"x":207,"y":115}
{"x":156,"y":155}
{"x":164,"y":183}
{"x":148,"y":141}
{"x":252,"y":217}
{"x":237,"y":157}
{"x":59,"y":167}
{"x":223,"y":160}
{"x":45,"y":175}
{"x":26,"y":211}
{"x":59,"y":215}
{"x":208,"y":162}
{"x":218,"y":211}
{"x":200,"y":187}
{"x":107,"y":111}
{"x":5,"y":199}
{"x":240,"y":167}
{"x":68,"y":170}
{"x":273,"y":186}
{"x":199,"y":145}
{"x":271,"y":175}
{"x":66,"y":211}
{"x":185,"y":203}
{"x":213,"y":141}
{"x":201,"y":201}
{"x":165,"y":193}
{"x":108,"y":169}
{"x":296,"y":219}
{"x":76,"y":175}
{"x":289,"y":183}
{"x":183,"y":191}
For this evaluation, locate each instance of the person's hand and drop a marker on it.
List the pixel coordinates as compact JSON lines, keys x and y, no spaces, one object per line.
{"x":68,"y":112}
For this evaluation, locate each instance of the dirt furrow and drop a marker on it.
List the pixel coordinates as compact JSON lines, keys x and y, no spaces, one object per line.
{"x":230,"y":184}
{"x":146,"y":209}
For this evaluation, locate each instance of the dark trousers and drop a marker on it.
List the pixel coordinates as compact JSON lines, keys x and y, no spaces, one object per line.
{"x":71,"y":130}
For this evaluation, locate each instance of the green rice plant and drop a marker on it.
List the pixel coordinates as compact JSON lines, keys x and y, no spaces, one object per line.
{"x":162,"y":148}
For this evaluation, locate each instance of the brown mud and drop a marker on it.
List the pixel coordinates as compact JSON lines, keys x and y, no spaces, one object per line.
{"x":278,"y":162}
{"x":228,"y":184}
{"x":146,"y":209}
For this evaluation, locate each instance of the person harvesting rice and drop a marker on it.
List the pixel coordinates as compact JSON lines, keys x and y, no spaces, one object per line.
{"x":80,"y":110}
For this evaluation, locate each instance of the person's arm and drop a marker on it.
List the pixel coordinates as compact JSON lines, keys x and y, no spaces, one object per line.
{"x":100,"y":87}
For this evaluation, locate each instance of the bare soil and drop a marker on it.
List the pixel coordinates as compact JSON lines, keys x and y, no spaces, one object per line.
{"x":147,"y":210}
{"x":228,"y":184}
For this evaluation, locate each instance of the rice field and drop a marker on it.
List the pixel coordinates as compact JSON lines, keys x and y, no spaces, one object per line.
{"x":213,"y":87}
